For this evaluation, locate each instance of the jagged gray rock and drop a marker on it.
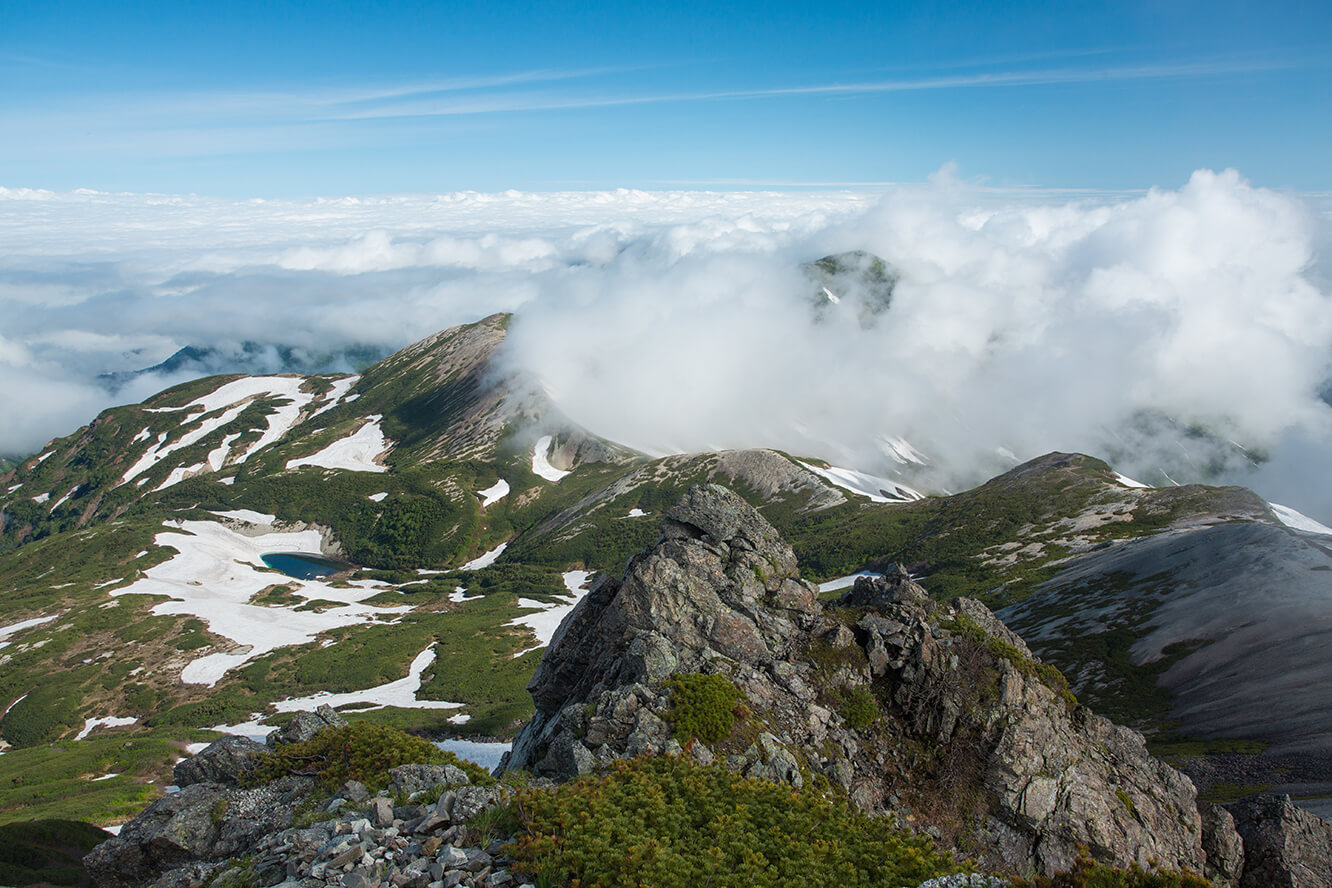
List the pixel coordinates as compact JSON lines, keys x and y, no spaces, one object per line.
{"x":202,"y":822}
{"x":1284,"y":845}
{"x":410,"y":781}
{"x":304,"y":725}
{"x":225,"y":760}
{"x":187,"y":839}
{"x":974,"y":739}
{"x":1222,"y":845}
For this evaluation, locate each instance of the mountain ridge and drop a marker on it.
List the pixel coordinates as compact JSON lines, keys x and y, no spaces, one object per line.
{"x":476,"y":466}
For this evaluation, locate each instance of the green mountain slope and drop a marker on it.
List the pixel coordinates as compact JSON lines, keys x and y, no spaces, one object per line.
{"x":133,"y":588}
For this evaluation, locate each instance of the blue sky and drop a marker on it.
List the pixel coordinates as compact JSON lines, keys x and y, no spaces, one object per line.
{"x":288,"y":99}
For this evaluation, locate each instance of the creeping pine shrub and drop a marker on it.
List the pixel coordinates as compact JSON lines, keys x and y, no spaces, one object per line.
{"x":702,"y":706}
{"x":361,"y":751}
{"x":668,"y":823}
{"x":1087,"y":873}
{"x":859,"y":707}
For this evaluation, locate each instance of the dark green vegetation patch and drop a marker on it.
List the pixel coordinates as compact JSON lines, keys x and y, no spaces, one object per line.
{"x":47,"y":852}
{"x":703,"y":707}
{"x":667,"y":823}
{"x":363,"y":752}
{"x":859,"y":707}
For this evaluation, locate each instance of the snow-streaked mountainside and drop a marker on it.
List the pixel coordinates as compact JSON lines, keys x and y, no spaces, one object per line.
{"x":459,"y":516}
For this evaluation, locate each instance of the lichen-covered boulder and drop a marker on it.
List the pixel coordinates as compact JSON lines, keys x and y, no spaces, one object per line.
{"x":203,"y":823}
{"x":304,"y":725}
{"x":226,"y":760}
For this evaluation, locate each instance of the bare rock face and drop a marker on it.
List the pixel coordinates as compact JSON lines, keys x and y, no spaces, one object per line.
{"x":1284,"y":845}
{"x":202,"y":822}
{"x":937,"y":713}
{"x":225,"y":760}
{"x":304,"y":725}
{"x":1222,"y":845}
{"x":720,"y":587}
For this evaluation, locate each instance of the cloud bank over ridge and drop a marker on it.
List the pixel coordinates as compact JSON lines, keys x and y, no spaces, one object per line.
{"x":1184,"y":331}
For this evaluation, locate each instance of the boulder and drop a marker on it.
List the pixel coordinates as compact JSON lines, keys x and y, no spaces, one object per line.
{"x":175,"y":830}
{"x":1222,"y":846}
{"x":226,"y":760}
{"x":304,"y":725}
{"x":1284,"y":845}
{"x":411,"y":780}
{"x":203,"y":823}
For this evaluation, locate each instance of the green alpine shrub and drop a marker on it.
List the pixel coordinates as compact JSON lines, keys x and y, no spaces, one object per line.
{"x":1088,"y":873}
{"x":702,"y":707}
{"x":364,"y":752}
{"x":667,"y":823}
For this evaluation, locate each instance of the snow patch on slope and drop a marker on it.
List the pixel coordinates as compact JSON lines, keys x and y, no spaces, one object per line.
{"x":879,"y":490}
{"x":900,"y":450}
{"x":161,"y":450}
{"x":540,"y":464}
{"x":217,"y":457}
{"x":547,"y":617}
{"x":336,"y":394}
{"x":355,"y":453}
{"x":281,"y":420}
{"x":487,"y":559}
{"x":847,"y":581}
{"x":401,"y":693}
{"x":64,"y":499}
{"x":110,"y":722}
{"x":179,"y":474}
{"x":6,"y":631}
{"x":459,"y":595}
{"x":1293,"y":519}
{"x":494,"y":493}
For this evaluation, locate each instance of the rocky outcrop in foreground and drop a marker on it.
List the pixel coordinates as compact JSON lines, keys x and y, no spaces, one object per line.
{"x":933,"y":713}
{"x":1284,"y":846}
{"x":412,"y":835}
{"x":936,"y":713}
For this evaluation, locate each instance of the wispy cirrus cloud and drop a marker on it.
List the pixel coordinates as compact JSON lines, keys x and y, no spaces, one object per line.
{"x":545,"y":101}
{"x":511,"y":92}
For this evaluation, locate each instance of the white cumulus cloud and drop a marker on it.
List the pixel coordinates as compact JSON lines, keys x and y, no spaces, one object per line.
{"x":1174,"y":330}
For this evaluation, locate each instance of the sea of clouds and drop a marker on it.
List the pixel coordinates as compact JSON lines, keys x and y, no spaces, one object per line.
{"x":1183,"y":334}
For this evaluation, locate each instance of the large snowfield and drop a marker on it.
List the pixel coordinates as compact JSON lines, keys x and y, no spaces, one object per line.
{"x":218,"y":570}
